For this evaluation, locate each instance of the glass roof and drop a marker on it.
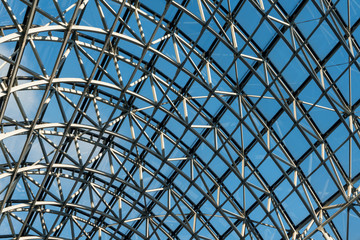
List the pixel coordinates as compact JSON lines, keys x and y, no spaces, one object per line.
{"x":179,"y":119}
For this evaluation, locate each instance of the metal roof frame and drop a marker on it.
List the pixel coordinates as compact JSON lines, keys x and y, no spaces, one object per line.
{"x":131,"y":130}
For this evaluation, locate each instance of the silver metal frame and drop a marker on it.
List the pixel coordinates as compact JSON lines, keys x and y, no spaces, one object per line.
{"x":126,"y":157}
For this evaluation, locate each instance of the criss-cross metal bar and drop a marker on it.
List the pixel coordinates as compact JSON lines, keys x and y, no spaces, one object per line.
{"x":192,"y":119}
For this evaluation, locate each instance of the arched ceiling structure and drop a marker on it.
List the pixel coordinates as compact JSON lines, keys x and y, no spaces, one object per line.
{"x":179,"y":119}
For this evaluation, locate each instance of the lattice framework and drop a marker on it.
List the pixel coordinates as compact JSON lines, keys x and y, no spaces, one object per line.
{"x":191,"y":119}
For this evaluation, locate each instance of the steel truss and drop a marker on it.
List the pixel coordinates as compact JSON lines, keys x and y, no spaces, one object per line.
{"x":179,"y":119}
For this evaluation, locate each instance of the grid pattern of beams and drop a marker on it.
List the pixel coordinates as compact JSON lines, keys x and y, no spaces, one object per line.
{"x":179,"y":119}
